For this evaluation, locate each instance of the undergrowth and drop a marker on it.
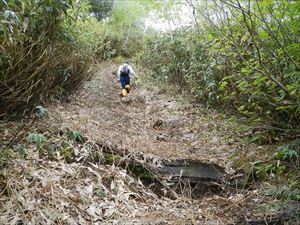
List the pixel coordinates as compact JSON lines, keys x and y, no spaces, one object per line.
{"x":246,"y":63}
{"x":41,"y":54}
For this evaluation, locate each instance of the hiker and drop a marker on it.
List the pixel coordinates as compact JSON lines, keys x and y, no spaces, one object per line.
{"x":124,"y":72}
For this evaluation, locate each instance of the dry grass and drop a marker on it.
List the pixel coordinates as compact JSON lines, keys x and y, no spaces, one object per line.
{"x":39,"y":190}
{"x":32,"y":75}
{"x":85,"y":190}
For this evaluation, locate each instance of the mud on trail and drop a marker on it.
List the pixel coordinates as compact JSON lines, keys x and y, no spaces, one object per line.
{"x":63,"y":181}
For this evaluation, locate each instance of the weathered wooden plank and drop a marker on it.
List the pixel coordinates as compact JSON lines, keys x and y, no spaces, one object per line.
{"x":192,"y":170}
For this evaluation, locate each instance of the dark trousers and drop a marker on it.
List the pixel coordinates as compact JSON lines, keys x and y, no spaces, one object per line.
{"x":125,"y":80}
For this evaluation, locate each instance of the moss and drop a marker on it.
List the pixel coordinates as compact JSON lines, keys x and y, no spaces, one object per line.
{"x":67,"y":152}
{"x":142,"y":172}
{"x":111,"y":159}
{"x":135,"y":169}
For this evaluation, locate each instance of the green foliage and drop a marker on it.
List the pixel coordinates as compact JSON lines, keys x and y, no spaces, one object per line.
{"x":21,"y":150}
{"x":47,"y":47}
{"x":263,"y":171}
{"x":101,"y":9}
{"x":52,"y":150}
{"x":285,"y":162}
{"x":124,"y":31}
{"x":284,"y":192}
{"x":69,"y":145}
{"x":76,"y":136}
{"x":41,"y":112}
{"x":67,"y":151}
{"x":112,"y":159}
{"x":36,"y":138}
{"x":247,"y":62}
{"x":289,"y":152}
{"x":40,"y":53}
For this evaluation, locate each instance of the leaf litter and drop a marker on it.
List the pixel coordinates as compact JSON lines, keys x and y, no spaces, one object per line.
{"x":64,"y":179}
{"x":43,"y":191}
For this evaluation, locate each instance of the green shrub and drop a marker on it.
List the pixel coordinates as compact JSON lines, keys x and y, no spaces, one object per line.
{"x":284,"y":192}
{"x":41,"y":54}
{"x":289,"y":152}
{"x":36,"y":138}
{"x":243,"y":62}
{"x":76,"y":136}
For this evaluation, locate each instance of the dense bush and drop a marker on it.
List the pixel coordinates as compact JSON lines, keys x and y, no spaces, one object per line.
{"x":247,"y":61}
{"x":41,"y":53}
{"x":124,"y":31}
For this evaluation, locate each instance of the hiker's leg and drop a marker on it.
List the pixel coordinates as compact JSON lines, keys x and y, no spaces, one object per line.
{"x":128,"y":84}
{"x":123,"y":81}
{"x":128,"y":80}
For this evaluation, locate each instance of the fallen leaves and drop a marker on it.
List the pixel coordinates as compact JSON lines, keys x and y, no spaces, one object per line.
{"x":43,"y":191}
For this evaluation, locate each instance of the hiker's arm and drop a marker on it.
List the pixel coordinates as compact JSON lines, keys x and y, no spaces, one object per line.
{"x":119,"y":72}
{"x":131,"y":70}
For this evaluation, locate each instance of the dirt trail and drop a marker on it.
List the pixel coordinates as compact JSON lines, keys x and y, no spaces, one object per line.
{"x":146,"y":121}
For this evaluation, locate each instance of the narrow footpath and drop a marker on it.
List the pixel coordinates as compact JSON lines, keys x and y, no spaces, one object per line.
{"x":56,"y":178}
{"x":147,"y":121}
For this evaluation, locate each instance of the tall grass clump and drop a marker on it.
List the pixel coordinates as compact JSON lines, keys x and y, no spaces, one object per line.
{"x":42,"y":52}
